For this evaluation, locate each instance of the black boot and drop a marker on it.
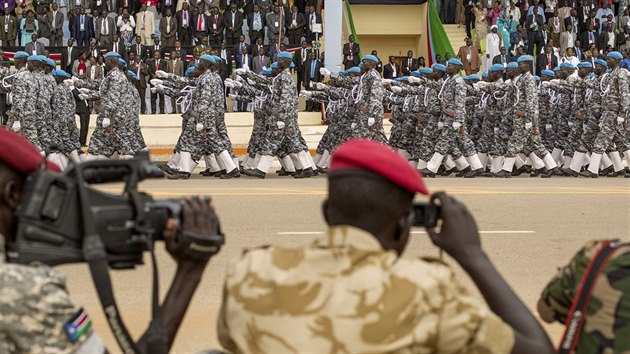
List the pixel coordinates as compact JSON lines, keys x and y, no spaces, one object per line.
{"x":538,"y":172}
{"x":179,"y":175}
{"x":427,"y":173}
{"x":550,"y":173}
{"x":503,"y":174}
{"x":305,"y":173}
{"x":235,"y":173}
{"x":463,"y":172}
{"x":587,"y":173}
{"x":474,"y":173}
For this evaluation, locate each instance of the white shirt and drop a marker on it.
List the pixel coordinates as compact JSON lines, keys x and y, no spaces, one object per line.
{"x":105,"y":27}
{"x":126,"y":26}
{"x":611,"y":39}
{"x":93,"y":72}
{"x":570,"y":41}
{"x":168,"y":24}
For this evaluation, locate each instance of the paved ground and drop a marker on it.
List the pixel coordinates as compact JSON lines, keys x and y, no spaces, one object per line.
{"x":529,"y":227}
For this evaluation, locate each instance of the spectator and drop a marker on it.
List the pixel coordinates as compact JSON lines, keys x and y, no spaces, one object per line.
{"x":126,"y":25}
{"x":589,"y":37}
{"x":623,"y":40}
{"x":624,"y":20}
{"x":145,"y":25}
{"x":379,"y":65}
{"x":225,"y":68}
{"x":312,"y":75}
{"x":555,"y":26}
{"x":481,"y":24}
{"x":175,"y":66}
{"x":299,"y":59}
{"x":448,"y":11}
{"x":93,"y":50}
{"x":469,"y":55}
{"x":351,"y":52}
{"x":200,"y":21}
{"x":77,"y":4}
{"x":438,"y":58}
{"x":142,"y":71}
{"x":495,"y":13}
{"x":185,"y":26}
{"x":156,"y":45}
{"x":493,"y":45}
{"x":513,"y":14}
{"x":94,"y":72}
{"x":8,"y":28}
{"x":262,"y":61}
{"x":608,"y":37}
{"x":180,"y":50}
{"x":264,"y":5}
{"x":536,"y":7}
{"x":202,"y":47}
{"x":313,"y":19}
{"x":609,"y":20}
{"x":603,"y":12}
{"x":168,"y":28}
{"x":534,"y":25}
{"x":421,"y":63}
{"x":5,"y":63}
{"x":274,"y":29}
{"x":578,"y":50}
{"x":117,"y":45}
{"x":154,"y":65}
{"x":22,"y":10}
{"x":233,"y":25}
{"x":351,"y":291}
{"x":100,"y":6}
{"x":7,"y":4}
{"x":256,"y":24}
{"x":392,"y":70}
{"x":28,"y":27}
{"x":217,"y":27}
{"x":447,"y":56}
{"x":256,"y":47}
{"x":68,"y":56}
{"x":80,"y":65}
{"x":409,"y":64}
{"x":546,"y":60}
{"x":35,"y":47}
{"x":567,"y":39}
{"x":165,"y":5}
{"x":570,"y":57}
{"x":295,"y":27}
{"x":52,"y":26}
{"x":501,"y":58}
{"x":138,"y":49}
{"x":593,"y":21}
{"x":83,"y":28}
{"x":83,"y":112}
{"x":105,"y":29}
{"x":242,"y":58}
{"x":584,"y":14}
{"x":550,"y":9}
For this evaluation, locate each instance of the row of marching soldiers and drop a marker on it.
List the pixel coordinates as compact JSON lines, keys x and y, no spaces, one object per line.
{"x":43,"y":106}
{"x":571,"y":121}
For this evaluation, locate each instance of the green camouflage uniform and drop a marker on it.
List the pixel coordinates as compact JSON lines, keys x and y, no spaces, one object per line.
{"x":607,"y":325}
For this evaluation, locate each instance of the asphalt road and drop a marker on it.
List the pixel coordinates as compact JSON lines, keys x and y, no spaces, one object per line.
{"x":528,"y":226}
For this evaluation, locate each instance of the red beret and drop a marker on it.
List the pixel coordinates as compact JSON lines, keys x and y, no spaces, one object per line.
{"x":20,"y":155}
{"x":379,"y":159}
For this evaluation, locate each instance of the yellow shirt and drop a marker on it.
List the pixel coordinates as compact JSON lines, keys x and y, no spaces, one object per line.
{"x":346,"y":294}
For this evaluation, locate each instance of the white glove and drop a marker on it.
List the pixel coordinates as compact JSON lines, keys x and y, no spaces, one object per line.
{"x":84,"y":90}
{"x":319,"y":86}
{"x":74,"y":78}
{"x":480,"y":85}
{"x":246,"y":67}
{"x":105,"y":122}
{"x":396,"y":89}
{"x":280,"y":125}
{"x":387,"y":81}
{"x":199,"y":127}
{"x":161,"y":74}
{"x":155,"y":82}
{"x":68,"y":82}
{"x":496,"y":130}
{"x":371,"y":121}
{"x":16,"y":126}
{"x":572,"y":79}
{"x":548,"y":127}
{"x":237,"y":84}
{"x":353,"y":125}
{"x":555,"y":81}
{"x":440,"y":125}
{"x":457,"y":125}
{"x":251,"y":82}
{"x":240,"y":71}
{"x":83,"y":96}
{"x":414,"y":80}
{"x":232,"y":96}
{"x":325,"y":72}
{"x":153,"y":89}
{"x":229,"y":84}
{"x":528,"y":126}
{"x":620,"y":119}
{"x":160,"y":87}
{"x":546,"y":83}
{"x":571,"y":124}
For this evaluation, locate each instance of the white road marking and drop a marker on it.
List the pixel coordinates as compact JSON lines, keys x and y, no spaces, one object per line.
{"x":511,"y":232}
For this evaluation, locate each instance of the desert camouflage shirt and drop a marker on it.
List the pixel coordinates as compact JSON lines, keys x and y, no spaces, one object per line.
{"x":346,"y":294}
{"x":607,"y":325}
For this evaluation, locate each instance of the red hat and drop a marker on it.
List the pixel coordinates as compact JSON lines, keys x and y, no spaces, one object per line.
{"x":379,"y":159}
{"x":20,"y":155}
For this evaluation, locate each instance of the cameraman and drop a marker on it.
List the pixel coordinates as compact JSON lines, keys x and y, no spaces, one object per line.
{"x":352,"y":292}
{"x":34,"y":303}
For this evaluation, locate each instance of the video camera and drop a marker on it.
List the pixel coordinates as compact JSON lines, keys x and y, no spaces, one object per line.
{"x":51,"y":217}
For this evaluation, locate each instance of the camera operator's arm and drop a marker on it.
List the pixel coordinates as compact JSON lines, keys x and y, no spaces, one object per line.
{"x":199,"y":218}
{"x":460,"y":239}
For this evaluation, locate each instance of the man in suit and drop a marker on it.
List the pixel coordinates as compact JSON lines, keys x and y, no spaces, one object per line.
{"x":501,"y":58}
{"x":8,"y":28}
{"x":546,"y":60}
{"x":391,"y":70}
{"x":589,"y":37}
{"x":233,"y":25}
{"x":225,"y":68}
{"x":117,"y":45}
{"x":410,"y":64}
{"x":69,"y":55}
{"x":184,"y":17}
{"x":155,"y":64}
{"x":175,"y":66}
{"x":534,"y":25}
{"x":83,"y":28}
{"x":275,"y":28}
{"x":555,"y":26}
{"x":256,"y":24}
{"x":164,"y":5}
{"x":73,"y":4}
{"x":299,"y":59}
{"x":295,"y":27}
{"x":606,"y":38}
{"x":145,"y":24}
{"x":567,"y":39}
{"x":81,"y":109}
{"x":156,"y":46}
{"x":105,"y":29}
{"x":94,"y":72}
{"x":311,"y":75}
{"x":379,"y":66}
{"x":241,"y":52}
{"x":200,"y":25}
{"x":578,"y":50}
{"x":139,"y":51}
{"x":52,"y":26}
{"x":469,"y":55}
{"x":572,"y":20}
{"x":261,"y":62}
{"x":180,"y":50}
{"x":351,"y":53}
{"x":168,"y":28}
{"x":35,"y":47}
{"x":258,"y":46}
{"x":216,"y":27}
{"x":140,"y":68}
{"x":312,"y":19}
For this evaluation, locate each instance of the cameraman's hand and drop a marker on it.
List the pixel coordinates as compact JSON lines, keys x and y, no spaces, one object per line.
{"x":458,"y":235}
{"x":197,"y":217}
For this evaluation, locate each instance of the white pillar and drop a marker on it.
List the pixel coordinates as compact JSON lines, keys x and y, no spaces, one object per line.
{"x":333,"y":18}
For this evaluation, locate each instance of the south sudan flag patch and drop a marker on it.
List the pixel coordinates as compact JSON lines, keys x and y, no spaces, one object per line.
{"x":78,"y":325}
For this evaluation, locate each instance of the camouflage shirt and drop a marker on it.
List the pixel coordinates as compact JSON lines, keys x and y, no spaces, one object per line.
{"x":346,"y":294}
{"x":607,"y":325}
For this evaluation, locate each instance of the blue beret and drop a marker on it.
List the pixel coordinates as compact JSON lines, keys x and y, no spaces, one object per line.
{"x":614,"y":55}
{"x":20,"y":55}
{"x":512,"y":65}
{"x":601,"y":62}
{"x":354,"y":69}
{"x":536,"y":77}
{"x":38,"y":58}
{"x":111,"y":55}
{"x":484,"y":75}
{"x":496,"y":67}
{"x":402,"y":78}
{"x":455,"y":61}
{"x":266,"y":72}
{"x":426,"y":71}
{"x":285,"y":55}
{"x":207,"y":58}
{"x":567,"y":65}
{"x":61,"y":73}
{"x":370,"y":57}
{"x":557,"y":68}
{"x":585,"y":64}
{"x":472,"y":77}
{"x":217,"y":59}
{"x":440,"y":67}
{"x":122,"y":61}
{"x":523,"y":58}
{"x":342,"y":73}
{"x":132,"y":74}
{"x":415,"y":73}
{"x":466,"y":77}
{"x":51,"y":63}
{"x":591,"y":75}
{"x":292,"y":65}
{"x":274,"y":65}
{"x":189,"y":71}
{"x":549,"y":73}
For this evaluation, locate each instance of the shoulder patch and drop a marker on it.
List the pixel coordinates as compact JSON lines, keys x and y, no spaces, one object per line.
{"x":78,"y":325}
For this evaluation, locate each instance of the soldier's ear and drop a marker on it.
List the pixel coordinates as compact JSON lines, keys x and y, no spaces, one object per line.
{"x":11,"y":194}
{"x":325,"y":210}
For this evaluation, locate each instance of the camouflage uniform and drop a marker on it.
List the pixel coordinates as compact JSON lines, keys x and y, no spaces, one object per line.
{"x":615,"y":103}
{"x":345,"y":294}
{"x":423,"y":148}
{"x":527,"y":101}
{"x":43,"y":109}
{"x":110,"y":89}
{"x":63,"y":120}
{"x":369,"y":105}
{"x":34,"y":308}
{"x":24,"y":93}
{"x":607,"y":321}
{"x":452,"y":98}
